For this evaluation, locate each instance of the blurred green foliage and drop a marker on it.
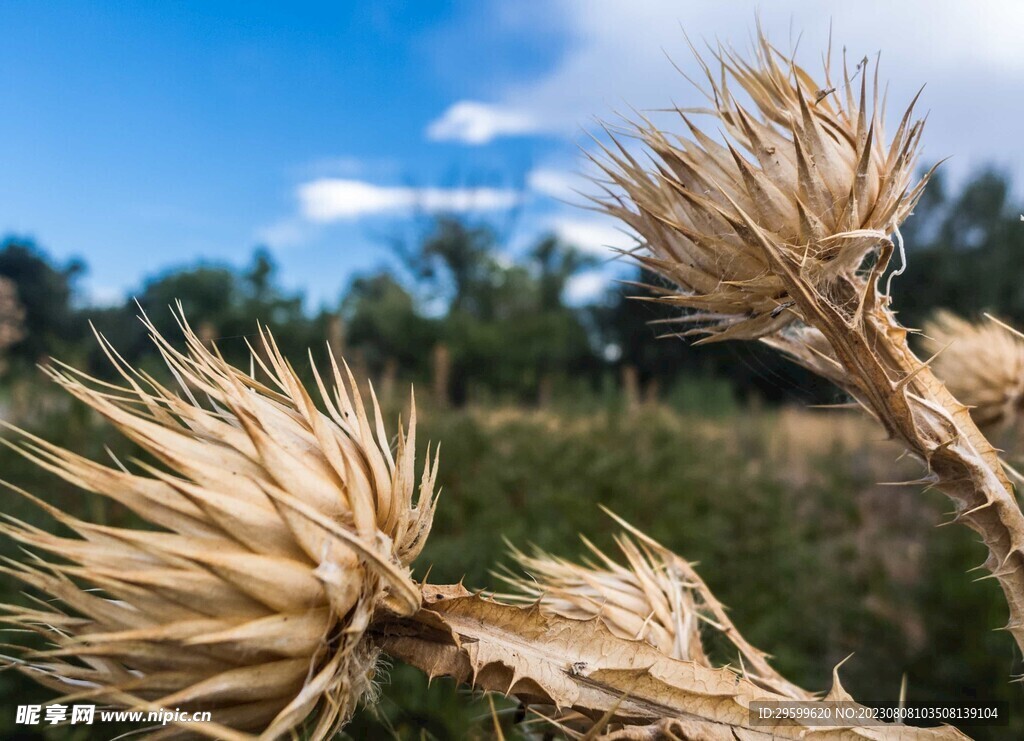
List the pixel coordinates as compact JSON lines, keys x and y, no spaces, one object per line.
{"x":965,"y":251}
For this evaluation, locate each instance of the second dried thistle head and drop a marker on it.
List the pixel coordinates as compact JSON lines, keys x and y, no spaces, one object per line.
{"x":804,"y":166}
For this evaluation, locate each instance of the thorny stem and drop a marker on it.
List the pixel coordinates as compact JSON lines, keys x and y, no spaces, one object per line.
{"x":620,"y":687}
{"x":873,"y":361}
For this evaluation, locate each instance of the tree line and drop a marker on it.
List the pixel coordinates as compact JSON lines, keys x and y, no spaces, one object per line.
{"x":464,"y":319}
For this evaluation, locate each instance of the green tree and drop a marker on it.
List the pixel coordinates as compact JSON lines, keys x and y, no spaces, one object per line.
{"x":505,"y":322}
{"x":223,"y":304}
{"x":46,"y":291}
{"x":556,"y":264}
{"x":383,"y":322}
{"x":457,"y":263}
{"x":966,"y":249}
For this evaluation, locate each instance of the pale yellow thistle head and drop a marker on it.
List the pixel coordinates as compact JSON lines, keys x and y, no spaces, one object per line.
{"x":982,"y":365}
{"x":12,"y":314}
{"x":799,"y":163}
{"x":656,"y":597}
{"x":649,"y":599}
{"x":275,"y":533}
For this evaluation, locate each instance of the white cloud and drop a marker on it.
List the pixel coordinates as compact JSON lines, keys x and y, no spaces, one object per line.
{"x":615,"y":57}
{"x":585,"y":287}
{"x":595,"y":236}
{"x":104,"y":296}
{"x":329,"y":200}
{"x":472,"y":122}
{"x":334,"y":199}
{"x":556,"y":183}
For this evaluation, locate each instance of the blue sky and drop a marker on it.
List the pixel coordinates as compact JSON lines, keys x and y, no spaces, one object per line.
{"x":144,"y":135}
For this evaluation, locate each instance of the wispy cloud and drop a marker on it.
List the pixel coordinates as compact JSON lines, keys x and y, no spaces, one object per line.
{"x":350,"y":166}
{"x":585,"y":287}
{"x":340,"y":166}
{"x":595,"y":236}
{"x":557,"y":183}
{"x":104,"y":296}
{"x":328,"y":200}
{"x":968,"y":53}
{"x":472,"y":122}
{"x":290,"y":232}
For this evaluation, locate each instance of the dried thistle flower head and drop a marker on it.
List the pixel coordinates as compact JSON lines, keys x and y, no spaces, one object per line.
{"x":656,"y":597}
{"x":981,"y":363}
{"x":278,"y":532}
{"x":12,"y":314}
{"x":649,"y":599}
{"x":805,"y":166}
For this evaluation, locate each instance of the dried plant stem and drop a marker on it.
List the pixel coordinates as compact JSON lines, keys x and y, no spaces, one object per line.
{"x":625,"y":685}
{"x":867,"y":354}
